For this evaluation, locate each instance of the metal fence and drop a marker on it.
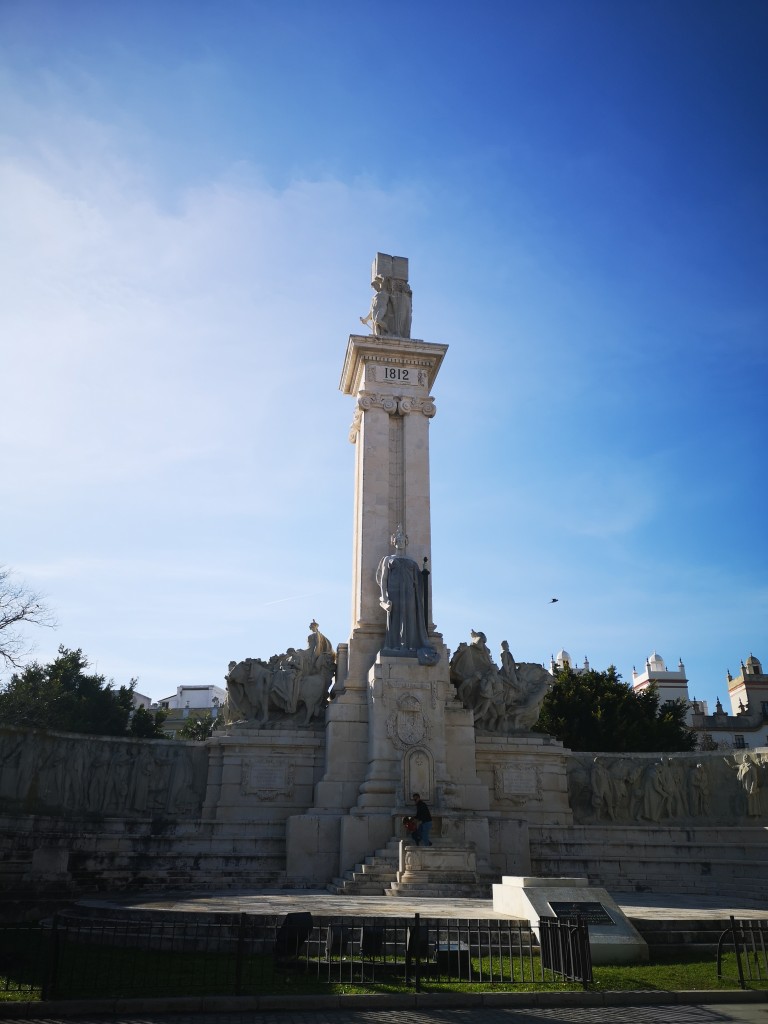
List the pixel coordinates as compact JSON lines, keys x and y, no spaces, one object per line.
{"x":749,"y":940}
{"x":247,"y":954}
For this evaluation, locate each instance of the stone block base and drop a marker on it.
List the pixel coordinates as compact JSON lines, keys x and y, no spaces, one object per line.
{"x":611,"y":941}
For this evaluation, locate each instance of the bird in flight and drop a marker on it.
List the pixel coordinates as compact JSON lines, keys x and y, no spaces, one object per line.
{"x":554,"y":600}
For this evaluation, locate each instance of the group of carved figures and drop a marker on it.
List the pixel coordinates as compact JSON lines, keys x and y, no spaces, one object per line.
{"x":85,"y":775}
{"x":622,"y":789}
{"x":391,"y":304}
{"x":502,"y":699}
{"x":289,"y":687}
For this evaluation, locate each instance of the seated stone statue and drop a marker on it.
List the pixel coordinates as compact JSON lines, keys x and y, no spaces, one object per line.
{"x":267,"y":693}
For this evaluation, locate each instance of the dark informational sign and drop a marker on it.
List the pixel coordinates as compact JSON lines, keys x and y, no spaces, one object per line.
{"x":592,"y":912}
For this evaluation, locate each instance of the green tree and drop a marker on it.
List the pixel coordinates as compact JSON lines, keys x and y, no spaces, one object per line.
{"x":596,"y":711}
{"x":148,"y":725}
{"x":65,"y":697}
{"x":198,"y":726}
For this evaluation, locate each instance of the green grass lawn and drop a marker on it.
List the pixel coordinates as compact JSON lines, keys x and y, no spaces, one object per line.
{"x":93,"y":971}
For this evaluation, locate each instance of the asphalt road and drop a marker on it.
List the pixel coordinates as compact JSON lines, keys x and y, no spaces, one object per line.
{"x":719,"y":1013}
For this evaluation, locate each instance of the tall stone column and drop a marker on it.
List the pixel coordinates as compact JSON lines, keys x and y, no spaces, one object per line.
{"x":391,"y":381}
{"x":394,"y":725}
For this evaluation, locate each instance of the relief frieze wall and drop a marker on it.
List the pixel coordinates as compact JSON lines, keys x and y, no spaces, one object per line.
{"x":64,"y":774}
{"x":712,"y":787}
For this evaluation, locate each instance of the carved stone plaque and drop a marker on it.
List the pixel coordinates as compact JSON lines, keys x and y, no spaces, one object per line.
{"x":518,"y":785}
{"x":268,"y":779}
{"x":410,"y":376}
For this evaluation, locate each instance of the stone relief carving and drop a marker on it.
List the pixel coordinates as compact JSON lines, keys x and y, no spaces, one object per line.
{"x":408,"y":725}
{"x":750,"y":773}
{"x":400,"y":581}
{"x":418,"y":773}
{"x":402,"y":406}
{"x":655,"y":789}
{"x":289,"y":690}
{"x":503,"y":700}
{"x":99,"y":776}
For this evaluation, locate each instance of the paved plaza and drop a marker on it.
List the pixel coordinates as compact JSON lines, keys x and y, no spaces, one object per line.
{"x":647,"y":1007}
{"x":626,"y":1013}
{"x":650,"y":906}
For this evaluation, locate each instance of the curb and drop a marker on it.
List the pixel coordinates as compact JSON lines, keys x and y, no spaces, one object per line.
{"x":374,"y":1001}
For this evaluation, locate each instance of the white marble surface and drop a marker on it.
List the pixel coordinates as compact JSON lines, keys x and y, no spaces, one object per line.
{"x":661,"y":906}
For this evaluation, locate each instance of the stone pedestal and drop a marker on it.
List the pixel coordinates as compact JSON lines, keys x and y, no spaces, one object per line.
{"x":527,"y":776}
{"x":444,"y":862}
{"x":443,"y":869}
{"x":261,"y":775}
{"x":612,"y":939}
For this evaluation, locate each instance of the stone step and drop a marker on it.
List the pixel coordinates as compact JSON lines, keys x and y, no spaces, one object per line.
{"x":631,"y":875}
{"x":434,"y":890}
{"x":684,"y":935}
{"x":721,"y":852}
{"x":377,"y":871}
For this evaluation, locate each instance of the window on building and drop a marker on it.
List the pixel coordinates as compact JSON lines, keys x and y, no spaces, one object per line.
{"x":739,"y":743}
{"x":764,"y":706}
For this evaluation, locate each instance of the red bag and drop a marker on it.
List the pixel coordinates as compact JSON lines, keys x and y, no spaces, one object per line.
{"x":410,"y":824}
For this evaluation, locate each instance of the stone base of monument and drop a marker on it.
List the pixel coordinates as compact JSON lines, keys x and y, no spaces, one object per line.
{"x":439,"y":870}
{"x":612,"y":939}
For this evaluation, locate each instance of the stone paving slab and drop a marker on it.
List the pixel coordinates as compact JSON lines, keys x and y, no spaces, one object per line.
{"x":629,"y":1009}
{"x":651,"y":906}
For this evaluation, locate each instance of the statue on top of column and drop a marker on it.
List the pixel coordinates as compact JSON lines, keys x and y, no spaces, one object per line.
{"x":402,"y":597}
{"x":390,"y":312}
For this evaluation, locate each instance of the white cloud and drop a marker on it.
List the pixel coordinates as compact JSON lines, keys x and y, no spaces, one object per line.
{"x":137,"y":337}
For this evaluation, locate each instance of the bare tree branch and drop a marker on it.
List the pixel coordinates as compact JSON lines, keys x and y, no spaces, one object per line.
{"x":19,"y":606}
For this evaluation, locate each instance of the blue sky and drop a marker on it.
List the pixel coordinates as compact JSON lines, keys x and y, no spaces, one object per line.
{"x":190,"y":198}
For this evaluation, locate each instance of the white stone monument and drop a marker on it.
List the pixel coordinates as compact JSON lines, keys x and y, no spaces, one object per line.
{"x":613,"y":939}
{"x":395,"y":725}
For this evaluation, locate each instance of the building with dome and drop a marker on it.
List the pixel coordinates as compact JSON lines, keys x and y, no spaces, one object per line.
{"x":746,"y":727}
{"x":562,"y":659}
{"x":749,"y":688}
{"x":671,"y":684}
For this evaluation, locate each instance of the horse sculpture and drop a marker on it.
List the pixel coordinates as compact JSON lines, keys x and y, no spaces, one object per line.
{"x":500,"y":702}
{"x":254,"y":690}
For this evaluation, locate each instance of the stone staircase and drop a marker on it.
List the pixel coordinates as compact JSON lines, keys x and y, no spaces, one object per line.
{"x":681,"y":936}
{"x":371,"y":878}
{"x":726,"y":862}
{"x":47,"y":860}
{"x":378,"y":876}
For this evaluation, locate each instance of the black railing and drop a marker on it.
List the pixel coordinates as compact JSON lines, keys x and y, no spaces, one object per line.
{"x":749,"y":940}
{"x":565,"y":947}
{"x":246,"y":954}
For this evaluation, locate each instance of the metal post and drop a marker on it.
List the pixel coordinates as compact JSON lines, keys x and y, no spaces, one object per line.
{"x":425,"y":593}
{"x":737,"y":950}
{"x":239,"y":955}
{"x":48,"y":988}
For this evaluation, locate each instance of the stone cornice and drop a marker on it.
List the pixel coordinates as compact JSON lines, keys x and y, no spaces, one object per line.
{"x":363,"y":349}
